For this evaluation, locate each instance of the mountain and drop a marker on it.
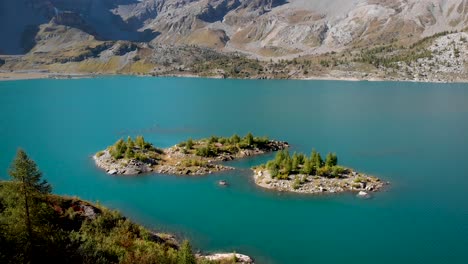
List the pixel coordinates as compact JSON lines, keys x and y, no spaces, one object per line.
{"x":258,"y":29}
{"x":263,"y":27}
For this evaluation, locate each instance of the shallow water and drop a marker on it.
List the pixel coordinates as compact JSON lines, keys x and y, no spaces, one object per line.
{"x":411,"y":134}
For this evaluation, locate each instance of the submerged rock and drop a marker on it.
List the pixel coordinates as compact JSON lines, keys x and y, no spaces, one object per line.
{"x":363,"y":194}
{"x":223,"y":183}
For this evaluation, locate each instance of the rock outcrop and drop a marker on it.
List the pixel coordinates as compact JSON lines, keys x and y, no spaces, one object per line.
{"x":260,"y":26}
{"x":231,"y":257}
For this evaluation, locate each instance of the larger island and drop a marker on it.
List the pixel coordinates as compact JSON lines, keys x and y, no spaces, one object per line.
{"x":302,"y":174}
{"x":192,"y":157}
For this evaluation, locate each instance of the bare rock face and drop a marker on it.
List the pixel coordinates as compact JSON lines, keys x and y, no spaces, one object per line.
{"x":265,"y":28}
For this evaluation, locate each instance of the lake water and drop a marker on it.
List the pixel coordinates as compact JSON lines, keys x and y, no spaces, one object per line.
{"x":414,"y":135}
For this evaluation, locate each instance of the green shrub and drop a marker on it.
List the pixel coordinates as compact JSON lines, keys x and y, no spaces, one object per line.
{"x":206,"y":152}
{"x":337,"y":171}
{"x":189,"y":144}
{"x":213,"y":139}
{"x":235,"y":139}
{"x":323,"y":171}
{"x":297,"y":183}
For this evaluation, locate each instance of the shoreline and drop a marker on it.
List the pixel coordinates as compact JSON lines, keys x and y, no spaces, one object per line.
{"x":39,"y":75}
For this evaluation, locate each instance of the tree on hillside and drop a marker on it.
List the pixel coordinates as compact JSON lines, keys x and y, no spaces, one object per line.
{"x":25,"y":209}
{"x":189,"y":144}
{"x":185,"y":255}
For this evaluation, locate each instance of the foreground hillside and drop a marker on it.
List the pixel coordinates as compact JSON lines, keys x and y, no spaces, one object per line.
{"x":39,"y":227}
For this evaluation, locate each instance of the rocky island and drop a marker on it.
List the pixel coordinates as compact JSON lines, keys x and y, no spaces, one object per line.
{"x":301,"y":174}
{"x":192,"y":157}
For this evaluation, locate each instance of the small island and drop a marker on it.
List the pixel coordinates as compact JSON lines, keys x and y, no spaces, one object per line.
{"x":301,"y":174}
{"x":192,"y":157}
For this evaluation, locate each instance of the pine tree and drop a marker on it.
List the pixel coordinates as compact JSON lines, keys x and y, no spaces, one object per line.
{"x":250,"y":139}
{"x":189,"y":144}
{"x":287,"y":166}
{"x":129,"y":153}
{"x":331,"y":160}
{"x":140,"y":142}
{"x":130,"y":143}
{"x":295,"y":162}
{"x":319,"y":161}
{"x":334,"y":159}
{"x":25,"y":209}
{"x":328,"y":160}
{"x":308,"y":168}
{"x":235,"y":139}
{"x":118,"y":150}
{"x":185,"y":255}
{"x":316,"y":159}
{"x":301,"y":158}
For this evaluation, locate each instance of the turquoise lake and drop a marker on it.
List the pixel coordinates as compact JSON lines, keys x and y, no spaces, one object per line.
{"x":414,"y":135}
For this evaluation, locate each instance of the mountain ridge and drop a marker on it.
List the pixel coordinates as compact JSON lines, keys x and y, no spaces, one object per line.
{"x":47,"y":32}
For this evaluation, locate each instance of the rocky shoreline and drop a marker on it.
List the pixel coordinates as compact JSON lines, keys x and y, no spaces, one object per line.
{"x":175,"y":160}
{"x":349,"y":181}
{"x":332,"y":76}
{"x":234,"y":257}
{"x":135,"y":167}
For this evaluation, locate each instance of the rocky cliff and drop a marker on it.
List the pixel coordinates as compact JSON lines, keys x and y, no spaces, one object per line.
{"x":263,"y":27}
{"x":259,"y":29}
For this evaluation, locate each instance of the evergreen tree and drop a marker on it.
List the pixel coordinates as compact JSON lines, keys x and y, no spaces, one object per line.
{"x":140,"y":142}
{"x":185,"y":255}
{"x":274,"y":171}
{"x":118,"y":150}
{"x":308,"y":167}
{"x":130,"y":143}
{"x":316,"y":159}
{"x":250,"y":139}
{"x":295,"y":162}
{"x":235,"y":139}
{"x":25,"y":211}
{"x":287,"y":166}
{"x":189,"y":144}
{"x":319,"y":161}
{"x":301,"y":158}
{"x":280,"y":156}
{"x":328,"y":160}
{"x":334,"y":159}
{"x":129,"y":153}
{"x":331,"y":160}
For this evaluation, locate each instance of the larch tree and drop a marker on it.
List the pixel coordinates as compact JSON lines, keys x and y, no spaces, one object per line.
{"x":26,"y":208}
